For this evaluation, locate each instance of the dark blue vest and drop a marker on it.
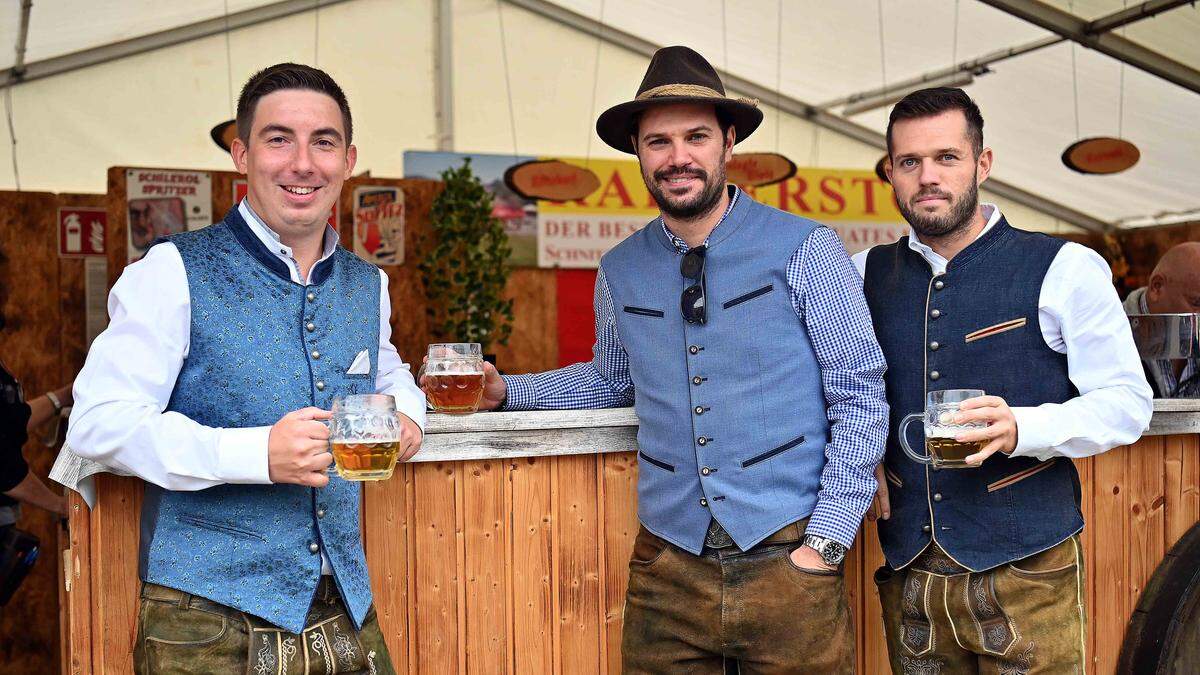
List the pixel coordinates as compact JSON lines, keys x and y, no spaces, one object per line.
{"x":260,"y":347}
{"x":929,"y":329}
{"x":732,"y":412}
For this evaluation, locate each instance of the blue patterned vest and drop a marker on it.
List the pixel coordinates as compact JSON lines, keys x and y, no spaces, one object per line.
{"x":933,"y":331}
{"x":260,"y":347}
{"x":732,"y":413}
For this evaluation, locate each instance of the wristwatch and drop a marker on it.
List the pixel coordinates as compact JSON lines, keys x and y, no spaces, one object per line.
{"x":832,"y":553}
{"x":58,"y":406}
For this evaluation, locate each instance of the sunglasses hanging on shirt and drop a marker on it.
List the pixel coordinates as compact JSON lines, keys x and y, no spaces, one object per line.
{"x":691,"y":301}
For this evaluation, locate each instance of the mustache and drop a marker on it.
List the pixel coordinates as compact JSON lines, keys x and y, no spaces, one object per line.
{"x":667,"y":174}
{"x":932,"y":193}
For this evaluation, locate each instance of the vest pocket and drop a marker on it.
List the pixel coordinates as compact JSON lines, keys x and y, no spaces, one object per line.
{"x":642,"y":311}
{"x":1020,"y":475}
{"x":226,"y":529}
{"x":656,"y":462}
{"x":771,"y":453}
{"x":749,"y":296}
{"x":1002,"y":327}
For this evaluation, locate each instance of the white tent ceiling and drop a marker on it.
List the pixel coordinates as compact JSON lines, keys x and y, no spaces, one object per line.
{"x":819,"y":51}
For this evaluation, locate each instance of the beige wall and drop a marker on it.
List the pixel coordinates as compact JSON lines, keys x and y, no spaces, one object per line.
{"x":155,"y":109}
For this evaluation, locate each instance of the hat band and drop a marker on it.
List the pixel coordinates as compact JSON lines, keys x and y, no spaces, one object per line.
{"x":679,"y":90}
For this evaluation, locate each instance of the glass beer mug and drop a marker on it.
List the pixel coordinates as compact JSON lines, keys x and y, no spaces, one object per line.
{"x":364,"y":434}
{"x":452,"y":377}
{"x":943,"y":451}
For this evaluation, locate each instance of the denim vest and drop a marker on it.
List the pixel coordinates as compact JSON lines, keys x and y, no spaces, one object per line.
{"x":1010,"y":507}
{"x":260,"y":347}
{"x":732,"y":413}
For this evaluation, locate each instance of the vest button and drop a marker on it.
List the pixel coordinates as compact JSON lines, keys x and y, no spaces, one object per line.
{"x":934,"y":345}
{"x":311,"y":296}
{"x":939,"y":284}
{"x":696,"y":380}
{"x":926,"y":529}
{"x":320,"y":513}
{"x":705,"y":471}
{"x":935,"y":313}
{"x":699,"y":410}
{"x":702,"y":440}
{"x":933,"y":375}
{"x":704,"y":502}
{"x":694,"y":349}
{"x":313,"y":547}
{"x":310,"y":326}
{"x":937,"y":497}
{"x":316,"y":354}
{"x":320,"y":385}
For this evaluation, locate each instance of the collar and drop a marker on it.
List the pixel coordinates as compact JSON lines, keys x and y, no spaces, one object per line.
{"x":270,"y":239}
{"x":681,"y":245}
{"x":935,"y":260}
{"x":268,"y":255}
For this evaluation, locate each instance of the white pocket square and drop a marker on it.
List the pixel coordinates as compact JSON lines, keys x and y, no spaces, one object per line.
{"x":361,"y":365}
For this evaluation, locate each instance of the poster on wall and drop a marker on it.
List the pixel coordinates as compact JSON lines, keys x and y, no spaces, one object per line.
{"x":575,"y":233}
{"x":163,"y":202}
{"x":240,"y":189}
{"x":81,"y":231}
{"x":379,"y":224}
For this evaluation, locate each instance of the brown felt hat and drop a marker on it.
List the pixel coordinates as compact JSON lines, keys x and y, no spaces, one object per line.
{"x":677,"y":75}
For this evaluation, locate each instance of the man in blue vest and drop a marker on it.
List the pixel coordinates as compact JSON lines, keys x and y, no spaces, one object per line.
{"x":983,"y":572}
{"x":225,"y":350}
{"x":740,"y":335}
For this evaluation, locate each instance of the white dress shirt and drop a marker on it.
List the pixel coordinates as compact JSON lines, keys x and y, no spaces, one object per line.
{"x":119,"y":417}
{"x":1082,"y":317}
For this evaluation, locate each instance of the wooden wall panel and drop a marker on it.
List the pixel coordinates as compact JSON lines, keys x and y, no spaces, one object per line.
{"x":577,"y":565}
{"x":436,"y":575}
{"x":532,"y":559}
{"x":386,"y":543}
{"x":620,"y":528}
{"x":1110,"y":574}
{"x":485,"y":574}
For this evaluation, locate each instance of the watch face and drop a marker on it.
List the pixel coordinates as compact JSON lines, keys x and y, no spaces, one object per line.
{"x":833,"y":553}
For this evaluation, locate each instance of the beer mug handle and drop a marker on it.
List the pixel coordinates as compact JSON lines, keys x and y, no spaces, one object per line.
{"x":908,"y":419}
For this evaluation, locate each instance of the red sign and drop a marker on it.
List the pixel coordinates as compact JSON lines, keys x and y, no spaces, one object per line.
{"x":240,"y":189}
{"x":81,"y":231}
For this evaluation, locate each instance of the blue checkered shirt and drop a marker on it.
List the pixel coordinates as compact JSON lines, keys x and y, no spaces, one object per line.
{"x":826,"y":292}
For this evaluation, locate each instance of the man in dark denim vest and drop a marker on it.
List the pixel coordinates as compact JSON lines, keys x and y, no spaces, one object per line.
{"x":984,"y":573}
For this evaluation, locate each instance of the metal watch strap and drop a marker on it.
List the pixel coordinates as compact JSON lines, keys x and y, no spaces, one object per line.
{"x":821,"y":544}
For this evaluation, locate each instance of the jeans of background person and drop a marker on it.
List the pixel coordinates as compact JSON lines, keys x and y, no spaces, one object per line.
{"x":1021,"y":618}
{"x":182,"y":633}
{"x":688,"y":613}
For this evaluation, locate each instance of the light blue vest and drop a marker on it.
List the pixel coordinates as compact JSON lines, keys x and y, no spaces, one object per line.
{"x":260,"y":347}
{"x":732,"y":413}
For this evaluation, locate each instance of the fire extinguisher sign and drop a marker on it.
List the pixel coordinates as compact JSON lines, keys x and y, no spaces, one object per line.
{"x":81,"y":231}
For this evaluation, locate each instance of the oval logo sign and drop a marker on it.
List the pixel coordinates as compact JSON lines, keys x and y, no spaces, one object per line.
{"x":1101,"y":155}
{"x":551,"y":179}
{"x":759,"y":168}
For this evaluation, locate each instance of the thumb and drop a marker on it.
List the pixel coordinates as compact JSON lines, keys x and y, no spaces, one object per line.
{"x":313,"y":413}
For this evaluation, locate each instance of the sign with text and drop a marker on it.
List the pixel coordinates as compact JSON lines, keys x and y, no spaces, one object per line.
{"x":577,"y":232}
{"x":81,"y":231}
{"x":163,"y":202}
{"x":379,"y":224}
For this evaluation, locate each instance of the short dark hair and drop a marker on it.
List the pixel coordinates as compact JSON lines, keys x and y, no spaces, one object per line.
{"x":935,"y":101}
{"x":724,"y":121}
{"x":283,"y":76}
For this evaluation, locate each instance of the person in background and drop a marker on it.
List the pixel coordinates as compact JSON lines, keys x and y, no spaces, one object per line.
{"x":18,"y":420}
{"x":1174,"y":288}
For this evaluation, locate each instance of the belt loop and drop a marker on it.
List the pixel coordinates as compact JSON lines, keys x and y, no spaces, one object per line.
{"x":185,"y":599}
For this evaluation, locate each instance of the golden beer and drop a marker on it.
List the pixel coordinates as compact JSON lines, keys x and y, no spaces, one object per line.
{"x":951,"y":452}
{"x":374,"y":460}
{"x":454,"y":392}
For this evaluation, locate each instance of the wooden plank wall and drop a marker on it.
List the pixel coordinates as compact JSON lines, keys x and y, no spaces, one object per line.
{"x":43,"y":345}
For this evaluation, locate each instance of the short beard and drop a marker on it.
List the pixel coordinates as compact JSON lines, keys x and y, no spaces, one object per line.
{"x":696,"y":207}
{"x":962,"y":212}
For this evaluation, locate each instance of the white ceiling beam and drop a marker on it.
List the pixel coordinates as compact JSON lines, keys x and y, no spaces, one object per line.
{"x":1097,"y":35}
{"x":194,"y":31}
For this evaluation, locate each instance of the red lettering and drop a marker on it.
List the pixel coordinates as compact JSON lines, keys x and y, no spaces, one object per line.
{"x":797,"y":196}
{"x":616,"y":188}
{"x":833,"y":194}
{"x":868,"y":186}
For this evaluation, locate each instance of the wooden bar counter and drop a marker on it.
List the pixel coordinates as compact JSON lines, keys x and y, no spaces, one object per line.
{"x":503,"y":547}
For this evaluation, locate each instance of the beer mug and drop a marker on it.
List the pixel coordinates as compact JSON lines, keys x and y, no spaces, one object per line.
{"x":453,"y":377}
{"x":364,"y":434}
{"x":943,"y":451}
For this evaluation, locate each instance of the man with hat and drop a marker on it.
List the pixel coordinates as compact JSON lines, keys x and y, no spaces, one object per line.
{"x":983,"y":572}
{"x":740,"y":335}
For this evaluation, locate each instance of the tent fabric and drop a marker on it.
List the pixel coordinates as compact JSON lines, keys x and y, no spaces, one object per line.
{"x":818,"y":52}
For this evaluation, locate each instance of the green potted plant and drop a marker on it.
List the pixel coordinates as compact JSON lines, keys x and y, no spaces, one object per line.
{"x":465,"y":268}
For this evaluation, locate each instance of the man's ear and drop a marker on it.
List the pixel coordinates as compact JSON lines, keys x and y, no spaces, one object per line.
{"x":351,"y":160}
{"x":237,"y":150}
{"x":983,"y":166}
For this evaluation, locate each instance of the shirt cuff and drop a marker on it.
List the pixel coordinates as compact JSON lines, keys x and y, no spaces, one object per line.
{"x":521,"y":394}
{"x":242,"y":455}
{"x":1034,"y":435}
{"x":834,"y":521}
